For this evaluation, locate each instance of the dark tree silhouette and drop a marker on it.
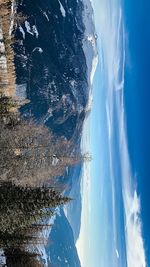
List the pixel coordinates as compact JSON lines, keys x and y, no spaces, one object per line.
{"x":20,"y":258}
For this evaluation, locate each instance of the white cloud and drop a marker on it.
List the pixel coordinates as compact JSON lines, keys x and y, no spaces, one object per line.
{"x":133,"y":231}
{"x":112,"y":39}
{"x":117,"y":253}
{"x":134,"y":241}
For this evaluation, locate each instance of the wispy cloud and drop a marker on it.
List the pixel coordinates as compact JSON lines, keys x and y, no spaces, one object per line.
{"x":117,"y":253}
{"x":111,"y":31}
{"x":133,"y":229}
{"x":134,"y":241}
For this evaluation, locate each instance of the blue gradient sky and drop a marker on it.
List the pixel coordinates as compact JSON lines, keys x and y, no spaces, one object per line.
{"x":137,"y":103}
{"x":115,"y":216}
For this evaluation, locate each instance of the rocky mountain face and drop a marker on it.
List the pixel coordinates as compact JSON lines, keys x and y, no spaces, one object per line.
{"x":51,"y":64}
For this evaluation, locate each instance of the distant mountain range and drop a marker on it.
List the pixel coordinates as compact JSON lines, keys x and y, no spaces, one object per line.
{"x":61,"y":251}
{"x":55,"y":44}
{"x":73,"y":209}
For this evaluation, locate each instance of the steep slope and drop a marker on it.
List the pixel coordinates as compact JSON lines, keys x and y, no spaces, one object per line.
{"x":51,"y":64}
{"x":61,"y":250}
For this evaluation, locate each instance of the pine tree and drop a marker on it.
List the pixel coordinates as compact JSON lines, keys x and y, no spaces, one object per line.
{"x":21,"y":258}
{"x":21,"y":207}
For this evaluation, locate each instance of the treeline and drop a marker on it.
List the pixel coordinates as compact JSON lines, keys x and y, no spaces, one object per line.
{"x":30,"y":154}
{"x":23,"y":214}
{"x":31,"y":159}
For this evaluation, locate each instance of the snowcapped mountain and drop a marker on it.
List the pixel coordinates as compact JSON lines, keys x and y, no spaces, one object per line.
{"x":55,"y":59}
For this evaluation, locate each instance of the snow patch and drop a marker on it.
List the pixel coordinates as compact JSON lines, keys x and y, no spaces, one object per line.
{"x":28,"y":27}
{"x":3,"y":63}
{"x":2,"y":258}
{"x":90,"y":102}
{"x":31,"y":29}
{"x":12,"y":17}
{"x":38,"y":49}
{"x":1,"y":34}
{"x":55,"y":161}
{"x":44,"y":13}
{"x":92,"y":40}
{"x":94,"y":66}
{"x":35,"y":31}
{"x":22,"y":31}
{"x":63,"y":12}
{"x":45,"y":234}
{"x":2,"y":47}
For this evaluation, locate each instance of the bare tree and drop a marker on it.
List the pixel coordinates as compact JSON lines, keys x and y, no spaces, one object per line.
{"x":31,"y":155}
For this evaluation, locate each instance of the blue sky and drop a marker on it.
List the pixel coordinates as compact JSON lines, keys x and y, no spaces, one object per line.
{"x":137,"y":96}
{"x":115,"y":213}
